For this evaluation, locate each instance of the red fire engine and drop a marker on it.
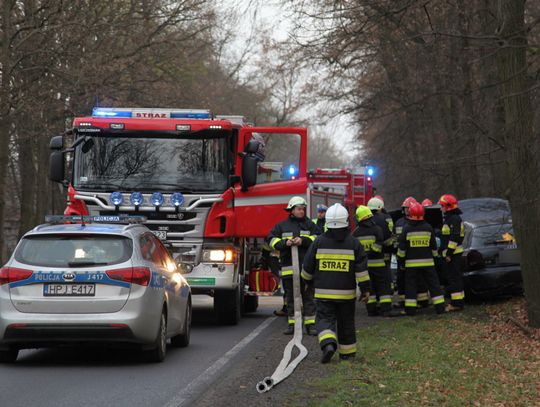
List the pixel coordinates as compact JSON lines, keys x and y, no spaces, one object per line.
{"x":212,"y":187}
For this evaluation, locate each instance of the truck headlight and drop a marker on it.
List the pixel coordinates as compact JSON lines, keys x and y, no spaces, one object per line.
{"x":218,"y":256}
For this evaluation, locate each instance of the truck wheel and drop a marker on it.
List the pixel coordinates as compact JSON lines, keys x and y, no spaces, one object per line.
{"x":228,"y":306}
{"x":182,"y":340}
{"x":251,"y":303}
{"x":8,"y":356}
{"x":157,"y":354}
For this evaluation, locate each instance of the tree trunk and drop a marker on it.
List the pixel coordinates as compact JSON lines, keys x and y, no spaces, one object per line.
{"x":523,"y":164}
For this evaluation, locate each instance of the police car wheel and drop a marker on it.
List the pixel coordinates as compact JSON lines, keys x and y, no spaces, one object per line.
{"x":8,"y":356}
{"x":182,"y":340}
{"x":157,"y":354}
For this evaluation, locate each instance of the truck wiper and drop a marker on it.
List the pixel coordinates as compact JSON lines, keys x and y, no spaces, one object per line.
{"x":86,"y":263}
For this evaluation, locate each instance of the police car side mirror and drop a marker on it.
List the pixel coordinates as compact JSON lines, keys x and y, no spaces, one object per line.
{"x":56,"y":166}
{"x":249,"y":172}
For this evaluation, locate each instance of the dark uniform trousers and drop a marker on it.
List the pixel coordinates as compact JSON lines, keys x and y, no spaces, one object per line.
{"x":381,"y":286}
{"x":335,"y":324}
{"x":455,"y":280}
{"x":308,"y":304}
{"x":429,"y":275}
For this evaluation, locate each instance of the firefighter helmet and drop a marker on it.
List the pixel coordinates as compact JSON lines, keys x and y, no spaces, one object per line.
{"x":337,"y":217}
{"x":375,"y":204}
{"x":363,"y":213}
{"x":296,"y":201}
{"x":322,"y":208}
{"x":408,"y":202}
{"x":448,"y":202}
{"x":416,"y":211}
{"x":427,"y":202}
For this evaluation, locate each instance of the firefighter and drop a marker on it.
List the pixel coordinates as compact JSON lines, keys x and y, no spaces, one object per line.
{"x":270,"y":260}
{"x":297,"y":230}
{"x":385,"y":222}
{"x":452,"y":234}
{"x":427,"y":202}
{"x":321,"y":217}
{"x":398,"y":228}
{"x":335,"y":264}
{"x":370,"y":235}
{"x":417,"y":249}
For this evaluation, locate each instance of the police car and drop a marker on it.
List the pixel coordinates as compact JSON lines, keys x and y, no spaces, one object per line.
{"x":93,"y":282}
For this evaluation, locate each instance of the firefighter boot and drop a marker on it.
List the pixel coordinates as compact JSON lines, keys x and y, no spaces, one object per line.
{"x":327,"y":353}
{"x":289,"y":330}
{"x":347,"y":357}
{"x":310,"y":330}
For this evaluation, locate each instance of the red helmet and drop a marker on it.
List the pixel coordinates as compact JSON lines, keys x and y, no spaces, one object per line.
{"x":427,"y":202}
{"x":448,"y":202}
{"x":416,"y":211}
{"x":408,"y":202}
{"x":379,"y":197}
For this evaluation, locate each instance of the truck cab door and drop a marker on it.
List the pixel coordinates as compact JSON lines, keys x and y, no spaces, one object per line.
{"x":281,"y":166}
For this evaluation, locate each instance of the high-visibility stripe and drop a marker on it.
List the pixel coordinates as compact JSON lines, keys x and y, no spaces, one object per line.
{"x":399,"y":229}
{"x":367,"y":238}
{"x":445,"y":230}
{"x":335,"y":294}
{"x":327,"y":334}
{"x":376,"y":263}
{"x":458,"y":250}
{"x":275,"y":241}
{"x":457,"y":296}
{"x":410,"y":303}
{"x":309,"y":320}
{"x":376,"y":247}
{"x":422,"y":296}
{"x":419,"y":263}
{"x":383,"y":299}
{"x":335,"y":251}
{"x":435,"y":253}
{"x":401,"y":253}
{"x":346,"y":349}
{"x":372,"y":299}
{"x":310,"y":237}
{"x":286,"y":272}
{"x":305,"y":275}
{"x":291,"y":321}
{"x":329,"y":256}
{"x":388,"y":242}
{"x":287,"y":235}
{"x":362,"y":276}
{"x":418,"y":234}
{"x":452,"y":244}
{"x":438,"y":299}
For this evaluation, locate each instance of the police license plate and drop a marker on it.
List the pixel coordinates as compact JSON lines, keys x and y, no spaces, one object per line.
{"x":160,"y":234}
{"x":69,"y":290}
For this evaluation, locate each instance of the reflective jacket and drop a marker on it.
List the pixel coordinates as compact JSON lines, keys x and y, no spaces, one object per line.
{"x":417,"y":246}
{"x":289,"y":229}
{"x":398,"y":228}
{"x":336,"y":264}
{"x":452,"y":233}
{"x":370,"y":236}
{"x":385,"y":222}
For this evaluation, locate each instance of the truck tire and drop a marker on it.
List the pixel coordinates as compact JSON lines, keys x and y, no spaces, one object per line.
{"x":228,"y":306}
{"x":182,"y":340}
{"x":9,"y":355}
{"x":251,"y":303}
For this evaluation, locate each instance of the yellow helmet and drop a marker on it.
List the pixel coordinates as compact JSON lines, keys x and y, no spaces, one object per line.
{"x":296,"y":201}
{"x":363,"y":213}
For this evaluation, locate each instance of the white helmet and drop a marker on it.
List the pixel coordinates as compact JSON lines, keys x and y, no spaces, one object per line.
{"x":337,"y":217}
{"x":295,"y":201}
{"x":375,"y":204}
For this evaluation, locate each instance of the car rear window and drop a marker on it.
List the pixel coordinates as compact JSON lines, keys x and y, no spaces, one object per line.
{"x":493,"y":235}
{"x":74,"y":250}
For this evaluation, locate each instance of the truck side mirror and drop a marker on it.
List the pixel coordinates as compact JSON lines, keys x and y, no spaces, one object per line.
{"x":249,"y":172}
{"x":56,"y":166}
{"x":57,"y":143}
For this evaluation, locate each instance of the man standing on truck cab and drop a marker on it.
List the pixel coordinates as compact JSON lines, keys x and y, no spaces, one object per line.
{"x":297,"y":230}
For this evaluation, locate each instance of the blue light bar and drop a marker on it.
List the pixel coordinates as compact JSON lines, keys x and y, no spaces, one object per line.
{"x":292,"y":170}
{"x":107,"y":112}
{"x":140,"y":113}
{"x":116,"y":198}
{"x":157,"y":199}
{"x":177,"y":199}
{"x":190,"y":115}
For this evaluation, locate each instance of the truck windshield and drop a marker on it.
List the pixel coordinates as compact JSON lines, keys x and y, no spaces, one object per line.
{"x":128,"y":162}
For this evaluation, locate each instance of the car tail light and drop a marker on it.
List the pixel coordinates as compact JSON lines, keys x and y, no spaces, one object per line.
{"x":12,"y":274}
{"x":135,"y":275}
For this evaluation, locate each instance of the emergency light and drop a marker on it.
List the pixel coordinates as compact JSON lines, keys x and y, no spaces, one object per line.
{"x":137,"y":113}
{"x":157,"y":199}
{"x":370,"y":171}
{"x":136,"y":198}
{"x":177,"y":199}
{"x":116,"y":198}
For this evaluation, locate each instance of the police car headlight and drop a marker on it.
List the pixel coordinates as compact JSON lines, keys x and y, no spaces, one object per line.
{"x":218,"y":256}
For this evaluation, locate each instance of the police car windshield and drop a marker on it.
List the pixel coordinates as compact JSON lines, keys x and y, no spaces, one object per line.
{"x":71,"y":250}
{"x":165,"y":163}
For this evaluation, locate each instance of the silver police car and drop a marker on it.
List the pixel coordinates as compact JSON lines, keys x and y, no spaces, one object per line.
{"x":92,"y":282}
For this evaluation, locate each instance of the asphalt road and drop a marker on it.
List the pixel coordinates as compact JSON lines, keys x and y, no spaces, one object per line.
{"x":100,"y":377}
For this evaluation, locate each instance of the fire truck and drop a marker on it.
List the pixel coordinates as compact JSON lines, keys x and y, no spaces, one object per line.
{"x":211,"y":187}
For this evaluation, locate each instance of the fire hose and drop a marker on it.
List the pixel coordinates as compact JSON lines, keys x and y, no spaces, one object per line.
{"x":287,"y":366}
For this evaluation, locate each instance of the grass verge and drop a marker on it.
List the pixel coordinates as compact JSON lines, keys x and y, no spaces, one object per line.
{"x":473,"y":358}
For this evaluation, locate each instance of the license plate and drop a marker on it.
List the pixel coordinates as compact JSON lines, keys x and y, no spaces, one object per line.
{"x":69,"y":290}
{"x":160,"y":234}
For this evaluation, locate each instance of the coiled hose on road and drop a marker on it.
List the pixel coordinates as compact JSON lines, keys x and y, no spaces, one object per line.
{"x":287,"y":366}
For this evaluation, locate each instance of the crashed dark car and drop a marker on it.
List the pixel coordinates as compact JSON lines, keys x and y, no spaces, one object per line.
{"x":492,"y":263}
